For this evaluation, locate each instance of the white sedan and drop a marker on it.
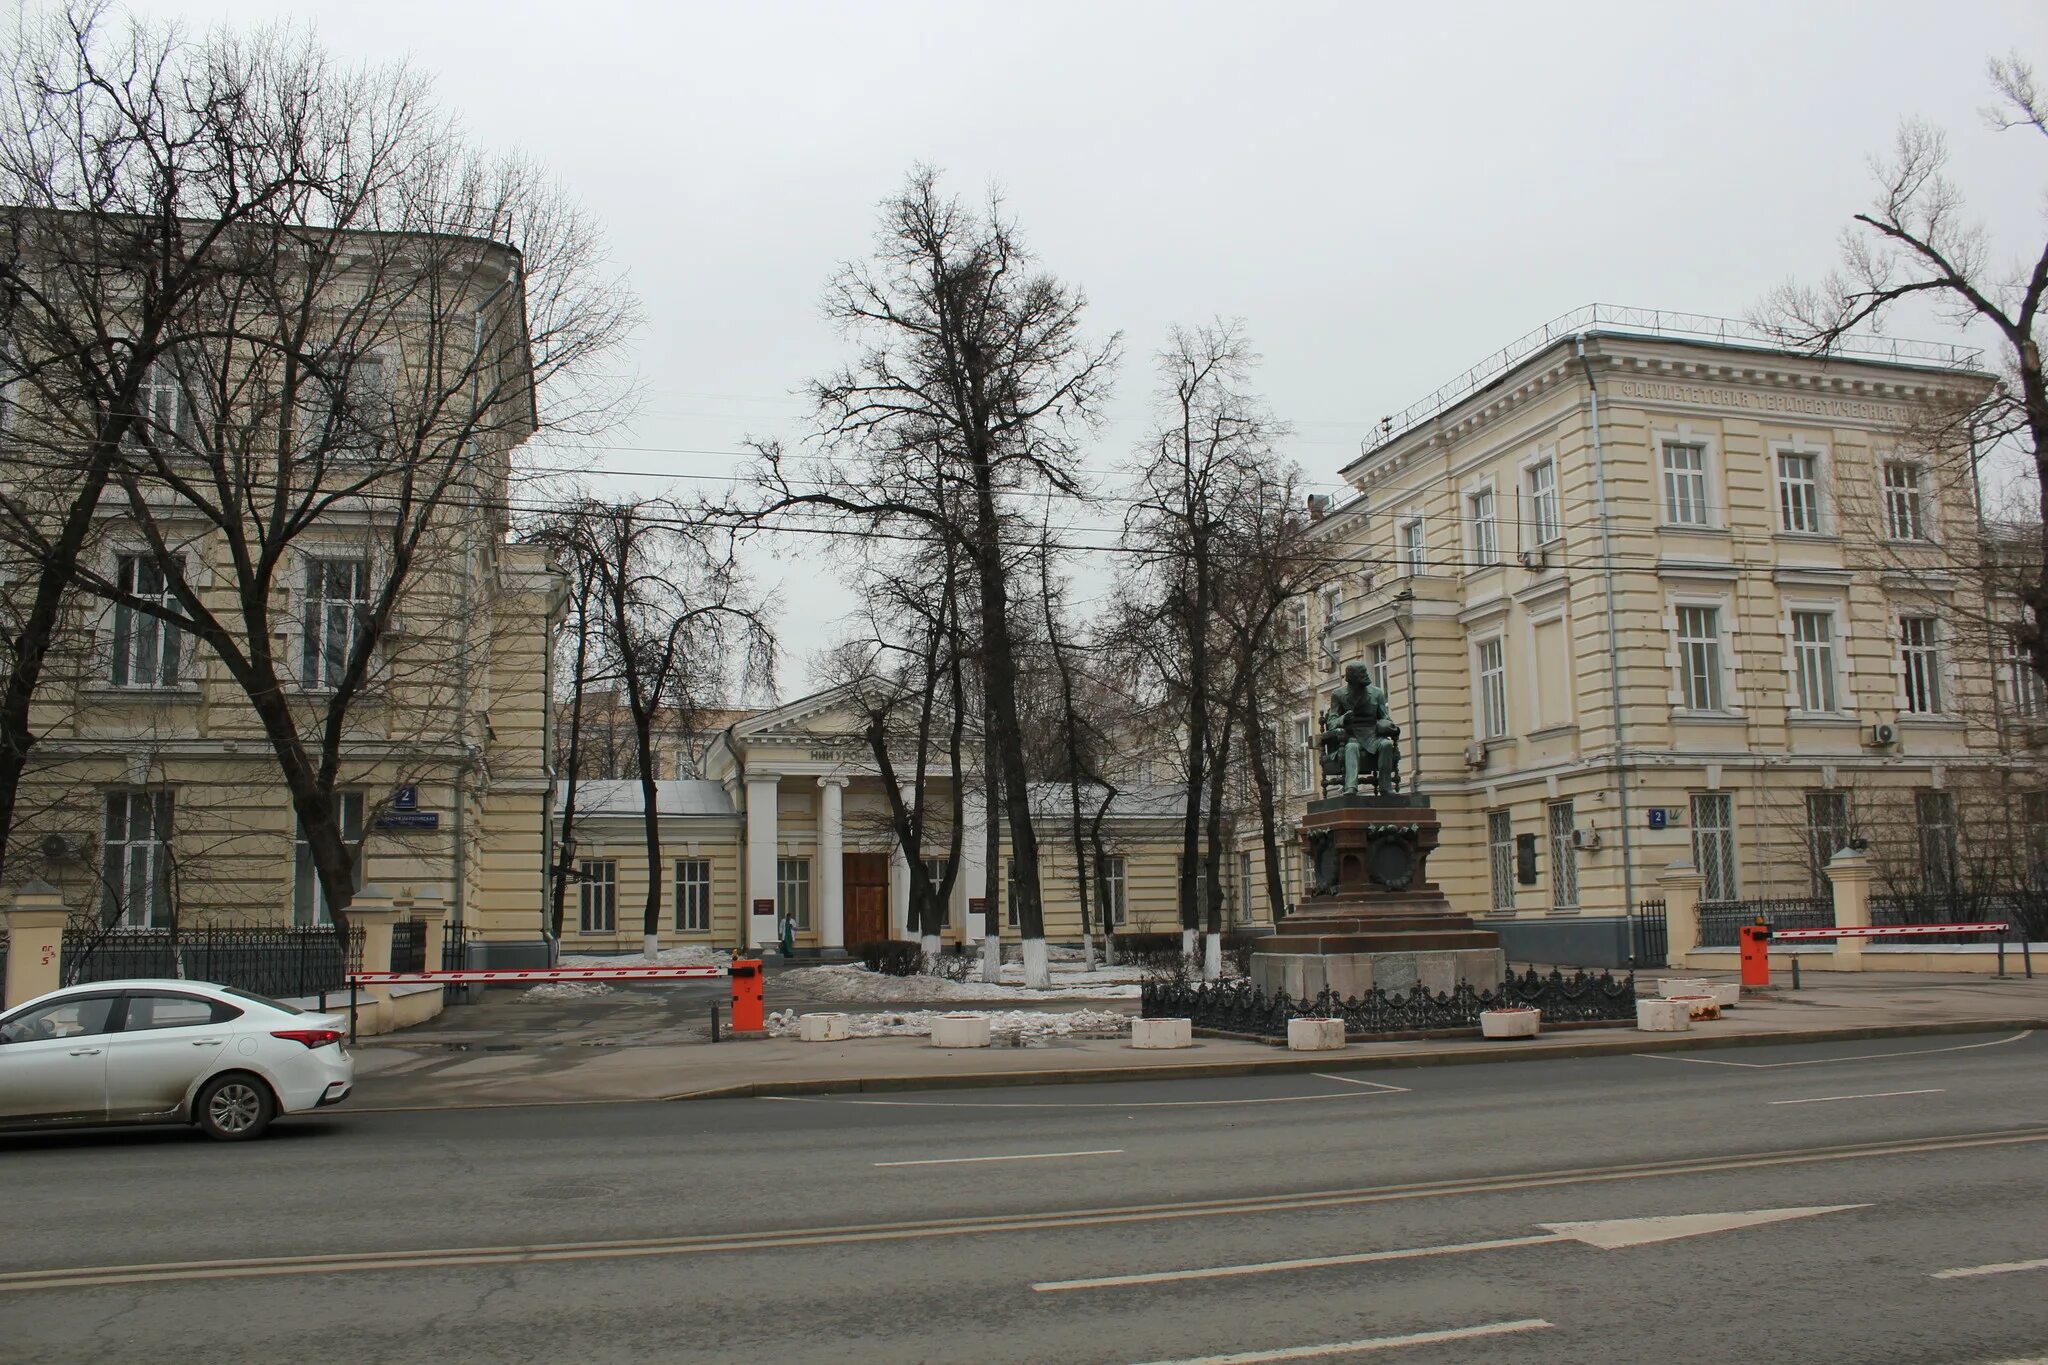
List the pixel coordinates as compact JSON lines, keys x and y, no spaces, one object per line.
{"x":167,"y":1052}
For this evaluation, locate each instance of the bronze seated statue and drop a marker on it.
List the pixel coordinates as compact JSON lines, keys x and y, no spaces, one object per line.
{"x":1360,"y":738}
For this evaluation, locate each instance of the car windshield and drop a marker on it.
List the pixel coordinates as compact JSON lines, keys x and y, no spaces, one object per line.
{"x":278,"y":1005}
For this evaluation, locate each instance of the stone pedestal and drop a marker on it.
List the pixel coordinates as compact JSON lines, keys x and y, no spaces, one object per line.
{"x":1374,"y":918}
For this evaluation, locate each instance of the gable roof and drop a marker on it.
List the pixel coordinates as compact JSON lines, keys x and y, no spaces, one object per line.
{"x":672,"y":796}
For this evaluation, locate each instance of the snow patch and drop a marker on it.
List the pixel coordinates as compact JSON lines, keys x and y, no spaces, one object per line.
{"x":569,"y":990}
{"x":1006,"y":1025}
{"x":858,"y":984}
{"x":689,"y":955}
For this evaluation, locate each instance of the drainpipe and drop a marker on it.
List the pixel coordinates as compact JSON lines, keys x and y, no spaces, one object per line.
{"x":1628,"y":865}
{"x":1406,"y":600}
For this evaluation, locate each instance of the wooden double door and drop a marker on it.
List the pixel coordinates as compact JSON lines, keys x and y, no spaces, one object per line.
{"x":867,"y":897}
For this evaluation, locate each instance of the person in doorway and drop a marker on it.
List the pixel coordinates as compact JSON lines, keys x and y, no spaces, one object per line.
{"x":788,"y":928}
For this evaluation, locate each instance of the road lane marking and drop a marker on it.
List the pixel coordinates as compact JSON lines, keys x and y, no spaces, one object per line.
{"x":1608,"y":1234}
{"x":1825,"y":1061}
{"x":80,"y":1277}
{"x":1353,"y":1080}
{"x":1027,"y":1156}
{"x":1345,"y":1348}
{"x":1878,"y":1095}
{"x":1378,"y":1089}
{"x":1969,"y":1272}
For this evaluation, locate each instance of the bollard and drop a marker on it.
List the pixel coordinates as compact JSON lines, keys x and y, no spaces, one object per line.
{"x":1795,"y":973}
{"x":749,"y":1009}
{"x":714,"y":1021}
{"x":1756,"y":953}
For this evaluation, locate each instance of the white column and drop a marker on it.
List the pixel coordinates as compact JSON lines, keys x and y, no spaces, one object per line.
{"x":899,"y":894}
{"x":760,"y":861}
{"x":831,"y":877}
{"x":973,"y":879}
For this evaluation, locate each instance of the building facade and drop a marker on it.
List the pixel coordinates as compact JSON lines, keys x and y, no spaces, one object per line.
{"x":1647,"y":594}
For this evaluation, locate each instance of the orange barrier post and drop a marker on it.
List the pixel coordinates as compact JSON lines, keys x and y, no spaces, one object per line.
{"x":1756,"y":953}
{"x":749,"y":1007}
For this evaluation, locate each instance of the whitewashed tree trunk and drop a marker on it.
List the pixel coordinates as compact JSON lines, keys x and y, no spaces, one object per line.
{"x":1037,"y":969}
{"x":1087,"y":949}
{"x":1188,"y":946}
{"x":1212,"y":958}
{"x":930,"y":946}
{"x":650,"y":946}
{"x":992,"y":959}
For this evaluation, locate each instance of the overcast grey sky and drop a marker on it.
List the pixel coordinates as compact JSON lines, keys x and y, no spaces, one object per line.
{"x":1384,"y":193}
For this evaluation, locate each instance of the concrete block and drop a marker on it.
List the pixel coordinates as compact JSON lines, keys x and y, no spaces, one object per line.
{"x":1315,"y":1035}
{"x":1727,"y":994}
{"x":1161,"y":1033}
{"x":1509,"y":1023}
{"x":1437,"y":973}
{"x":1698,"y":1006}
{"x":822,"y":1028}
{"x":1663,"y":1016}
{"x":960,"y":1030}
{"x":1672,"y":986}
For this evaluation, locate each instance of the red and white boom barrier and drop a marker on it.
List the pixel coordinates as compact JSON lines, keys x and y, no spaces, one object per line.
{"x":1886,"y":931}
{"x":536,"y":975}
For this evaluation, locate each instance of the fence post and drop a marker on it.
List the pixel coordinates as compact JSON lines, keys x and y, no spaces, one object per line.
{"x":1681,"y":883}
{"x":1850,"y":874}
{"x":374,"y":912}
{"x":35,"y":943}
{"x":430,"y":910}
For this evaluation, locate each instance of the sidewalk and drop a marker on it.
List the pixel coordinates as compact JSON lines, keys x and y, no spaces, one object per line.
{"x":476,"y":1068}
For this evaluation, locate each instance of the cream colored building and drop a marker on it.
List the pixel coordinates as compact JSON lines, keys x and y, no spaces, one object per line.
{"x":791,"y":814}
{"x":1650,"y":591}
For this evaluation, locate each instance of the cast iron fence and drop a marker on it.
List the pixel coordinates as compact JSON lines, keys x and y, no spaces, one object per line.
{"x":269,"y":960}
{"x":2026,"y":911}
{"x":1720,"y":919}
{"x":1240,"y":1007}
{"x":1653,"y":934}
{"x":409,"y":946}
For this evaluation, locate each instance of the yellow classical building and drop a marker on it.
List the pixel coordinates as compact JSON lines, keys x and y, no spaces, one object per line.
{"x":1648,"y":590}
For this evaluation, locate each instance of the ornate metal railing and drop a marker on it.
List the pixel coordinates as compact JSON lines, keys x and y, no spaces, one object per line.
{"x":409,"y":946}
{"x":2025,"y":911}
{"x":1653,"y":933}
{"x":1240,"y":1007}
{"x":278,"y":961}
{"x":1720,"y":919}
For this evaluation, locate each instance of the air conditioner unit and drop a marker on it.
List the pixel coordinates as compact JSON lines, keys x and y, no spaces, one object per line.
{"x":1475,"y":755}
{"x":1535,"y":561}
{"x":1882,"y":735}
{"x":1587,"y":839}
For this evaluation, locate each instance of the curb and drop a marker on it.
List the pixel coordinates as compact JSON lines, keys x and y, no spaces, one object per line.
{"x":1324,"y":1061}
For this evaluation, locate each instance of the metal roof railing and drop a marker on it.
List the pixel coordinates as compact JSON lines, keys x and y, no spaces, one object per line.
{"x":1653,"y":322}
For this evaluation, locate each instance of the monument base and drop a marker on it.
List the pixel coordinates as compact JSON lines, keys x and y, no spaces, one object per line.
{"x":1304,"y":976}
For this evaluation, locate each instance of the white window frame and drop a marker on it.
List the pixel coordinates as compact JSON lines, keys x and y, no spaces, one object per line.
{"x":1918,"y":499}
{"x":1500,"y":859}
{"x":1922,"y":663}
{"x":693,"y":895}
{"x":126,"y":860}
{"x":1820,"y":506}
{"x":317,"y":671}
{"x":1687,"y":494}
{"x":1559,"y":820}
{"x":1834,"y":832}
{"x":1411,"y":544}
{"x":1940,"y":857}
{"x":1834,"y":687}
{"x":1713,"y":846}
{"x":1244,"y":886}
{"x":2025,"y":697}
{"x":1682,"y":695}
{"x":142,"y":643}
{"x":1490,"y":687}
{"x":1112,"y":888}
{"x":935,"y":869}
{"x":1331,"y":598}
{"x":793,"y":884}
{"x":1308,"y":762}
{"x":597,"y":896}
{"x":1376,"y":656}
{"x":1544,"y":528}
{"x":1297,"y":622}
{"x":1482,"y":510}
{"x":309,"y":898}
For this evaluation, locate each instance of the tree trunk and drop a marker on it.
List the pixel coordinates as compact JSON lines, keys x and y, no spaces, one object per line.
{"x":1000,"y":712}
{"x":1262,"y":779}
{"x":650,"y":921}
{"x":1212,"y":858}
{"x":992,"y":808}
{"x":565,"y":853}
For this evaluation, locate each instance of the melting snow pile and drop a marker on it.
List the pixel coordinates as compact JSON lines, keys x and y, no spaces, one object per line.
{"x":567,"y":990}
{"x":856,"y":984}
{"x":1004,"y":1025}
{"x":690,"y":955}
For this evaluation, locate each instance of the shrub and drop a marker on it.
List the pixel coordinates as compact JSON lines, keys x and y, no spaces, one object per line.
{"x":891,"y":958}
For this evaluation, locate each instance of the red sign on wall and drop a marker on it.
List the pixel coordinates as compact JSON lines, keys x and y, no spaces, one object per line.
{"x":765,"y":906}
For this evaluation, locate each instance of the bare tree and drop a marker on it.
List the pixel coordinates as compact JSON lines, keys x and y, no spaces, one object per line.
{"x":1917,"y":241}
{"x":578,"y":663}
{"x":972,"y":384}
{"x":676,"y":626}
{"x":307,"y":327}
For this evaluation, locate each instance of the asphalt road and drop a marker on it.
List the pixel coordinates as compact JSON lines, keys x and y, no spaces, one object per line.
{"x":1438,"y":1209}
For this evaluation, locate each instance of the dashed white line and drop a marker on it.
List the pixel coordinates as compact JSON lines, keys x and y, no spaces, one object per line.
{"x":1969,"y":1272}
{"x":1879,"y":1095}
{"x":1023,"y":1156}
{"x":1341,"y":1348}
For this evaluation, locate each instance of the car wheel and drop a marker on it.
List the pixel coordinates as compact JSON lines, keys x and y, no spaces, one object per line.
{"x":234,"y":1107}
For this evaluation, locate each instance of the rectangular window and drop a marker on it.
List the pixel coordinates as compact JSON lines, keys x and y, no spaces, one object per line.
{"x":1543,"y":516}
{"x":1485,"y":533}
{"x":135,"y":870}
{"x":1244,"y":888}
{"x":1493,"y":689}
{"x":309,"y":900}
{"x":145,"y":646}
{"x":1713,"y":845}
{"x":1311,"y":770}
{"x":1376,"y":662}
{"x":1201,"y":884}
{"x":163,"y":407}
{"x":1699,"y":657}
{"x":935,"y":868}
{"x":1500,"y":858}
{"x":1333,"y":605}
{"x":337,"y":613}
{"x":1903,"y":514}
{"x":1920,"y":653}
{"x":1798,"y":492}
{"x":1564,"y":858}
{"x":793,"y":890}
{"x":1297,"y":626}
{"x":597,"y":895}
{"x":2034,"y":812}
{"x":1813,"y":658}
{"x":2023,"y":691}
{"x":1110,"y":887}
{"x":1937,"y":819}
{"x":693,"y":895}
{"x":1414,"y":556}
{"x":1827,"y":833}
{"x":1010,"y":896}
{"x":1685,"y":484}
